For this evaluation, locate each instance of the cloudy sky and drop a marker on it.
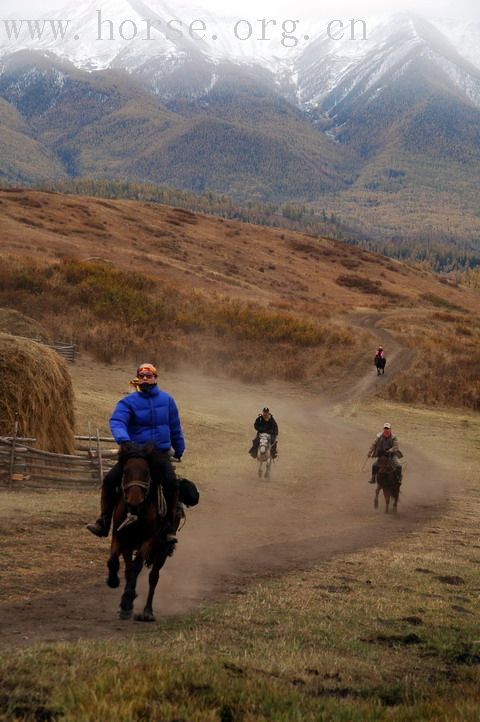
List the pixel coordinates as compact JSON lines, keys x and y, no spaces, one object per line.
{"x":461,"y":9}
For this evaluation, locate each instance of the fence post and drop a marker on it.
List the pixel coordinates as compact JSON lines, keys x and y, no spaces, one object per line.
{"x":12,"y":452}
{"x":99,"y":457}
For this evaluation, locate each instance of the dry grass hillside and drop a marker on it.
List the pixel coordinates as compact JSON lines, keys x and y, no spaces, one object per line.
{"x":125,"y":278}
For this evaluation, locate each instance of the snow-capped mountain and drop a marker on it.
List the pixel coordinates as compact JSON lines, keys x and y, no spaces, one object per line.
{"x":128,"y":33}
{"x":329,"y":74}
{"x":160,"y":42}
{"x":253,"y":118}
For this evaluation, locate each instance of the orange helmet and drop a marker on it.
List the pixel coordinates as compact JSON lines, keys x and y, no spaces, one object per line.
{"x":147,"y":367}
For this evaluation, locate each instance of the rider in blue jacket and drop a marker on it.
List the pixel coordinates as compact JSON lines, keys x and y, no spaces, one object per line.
{"x":146,"y":415}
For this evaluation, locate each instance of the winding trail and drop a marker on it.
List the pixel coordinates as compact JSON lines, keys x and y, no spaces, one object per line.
{"x":317,"y":504}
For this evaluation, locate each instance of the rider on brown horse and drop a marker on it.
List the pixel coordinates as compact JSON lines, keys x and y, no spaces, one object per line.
{"x":148,"y":415}
{"x":386,"y":443}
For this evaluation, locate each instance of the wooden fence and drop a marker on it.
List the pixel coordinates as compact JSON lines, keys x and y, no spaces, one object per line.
{"x":22,"y":464}
{"x":68,"y":351}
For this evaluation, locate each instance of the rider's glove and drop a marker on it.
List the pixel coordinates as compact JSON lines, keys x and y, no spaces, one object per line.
{"x":178,"y":457}
{"x":128,"y":446}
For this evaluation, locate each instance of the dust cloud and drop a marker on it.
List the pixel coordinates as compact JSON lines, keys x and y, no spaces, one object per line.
{"x":317,"y":504}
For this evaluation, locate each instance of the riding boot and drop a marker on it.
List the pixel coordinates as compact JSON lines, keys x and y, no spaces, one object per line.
{"x":108,"y":499}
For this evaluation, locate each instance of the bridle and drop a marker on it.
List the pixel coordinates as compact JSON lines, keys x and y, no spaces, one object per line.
{"x":131,"y":518}
{"x":136,"y":482}
{"x":264,"y":448}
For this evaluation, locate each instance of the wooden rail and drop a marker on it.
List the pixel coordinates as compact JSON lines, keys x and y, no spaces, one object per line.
{"x":68,"y":351}
{"x":20,"y":462}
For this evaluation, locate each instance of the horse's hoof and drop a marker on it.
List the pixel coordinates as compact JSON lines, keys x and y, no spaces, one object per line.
{"x":144,"y":617}
{"x":125,"y":613}
{"x":113,"y":582}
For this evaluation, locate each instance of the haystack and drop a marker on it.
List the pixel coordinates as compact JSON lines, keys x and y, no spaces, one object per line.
{"x":36,"y":385}
{"x":16,"y":323}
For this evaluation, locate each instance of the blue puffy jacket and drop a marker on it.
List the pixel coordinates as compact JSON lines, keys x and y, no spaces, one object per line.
{"x":148,"y":416}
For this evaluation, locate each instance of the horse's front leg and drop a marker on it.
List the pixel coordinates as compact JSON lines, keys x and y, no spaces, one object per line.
{"x":127,"y":558}
{"x":387,"y":500}
{"x":395,"y":500}
{"x":375,"y":501}
{"x":113,"y":563}
{"x":129,"y":594}
{"x":160,"y":559}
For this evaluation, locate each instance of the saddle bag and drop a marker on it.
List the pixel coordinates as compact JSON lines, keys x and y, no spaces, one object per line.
{"x":188,"y":492}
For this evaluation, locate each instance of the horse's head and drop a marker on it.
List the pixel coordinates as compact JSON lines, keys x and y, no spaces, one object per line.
{"x":385,"y":462}
{"x":136,"y":473}
{"x":264,"y":443}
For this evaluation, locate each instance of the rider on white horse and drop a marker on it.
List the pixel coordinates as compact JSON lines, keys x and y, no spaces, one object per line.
{"x":265,"y":424}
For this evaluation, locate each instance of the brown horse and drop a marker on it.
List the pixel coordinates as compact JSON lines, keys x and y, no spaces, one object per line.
{"x":388,"y":482}
{"x":138,"y":529}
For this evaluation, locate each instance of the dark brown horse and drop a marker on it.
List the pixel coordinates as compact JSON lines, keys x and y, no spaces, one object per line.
{"x":138,"y":531}
{"x":380,"y":363}
{"x":388,"y":482}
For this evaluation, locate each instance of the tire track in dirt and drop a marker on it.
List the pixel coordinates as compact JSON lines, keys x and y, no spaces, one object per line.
{"x":317,"y":505}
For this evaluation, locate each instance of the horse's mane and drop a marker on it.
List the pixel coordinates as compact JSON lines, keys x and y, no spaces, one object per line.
{"x":132,"y":450}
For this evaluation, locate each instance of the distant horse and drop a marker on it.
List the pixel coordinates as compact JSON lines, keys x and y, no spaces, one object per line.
{"x":380,"y":362}
{"x":264,"y":455}
{"x":388,"y":482}
{"x":138,"y":528}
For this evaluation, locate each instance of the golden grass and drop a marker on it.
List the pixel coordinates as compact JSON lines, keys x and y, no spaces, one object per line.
{"x":388,"y":634}
{"x":446,"y":368}
{"x":219,"y":294}
{"x":18,"y":324}
{"x":115,"y":314}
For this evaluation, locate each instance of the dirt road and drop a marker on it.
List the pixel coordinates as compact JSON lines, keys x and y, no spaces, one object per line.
{"x":317,"y":504}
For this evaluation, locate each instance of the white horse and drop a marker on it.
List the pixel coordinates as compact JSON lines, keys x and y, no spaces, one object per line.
{"x":264,"y":455}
